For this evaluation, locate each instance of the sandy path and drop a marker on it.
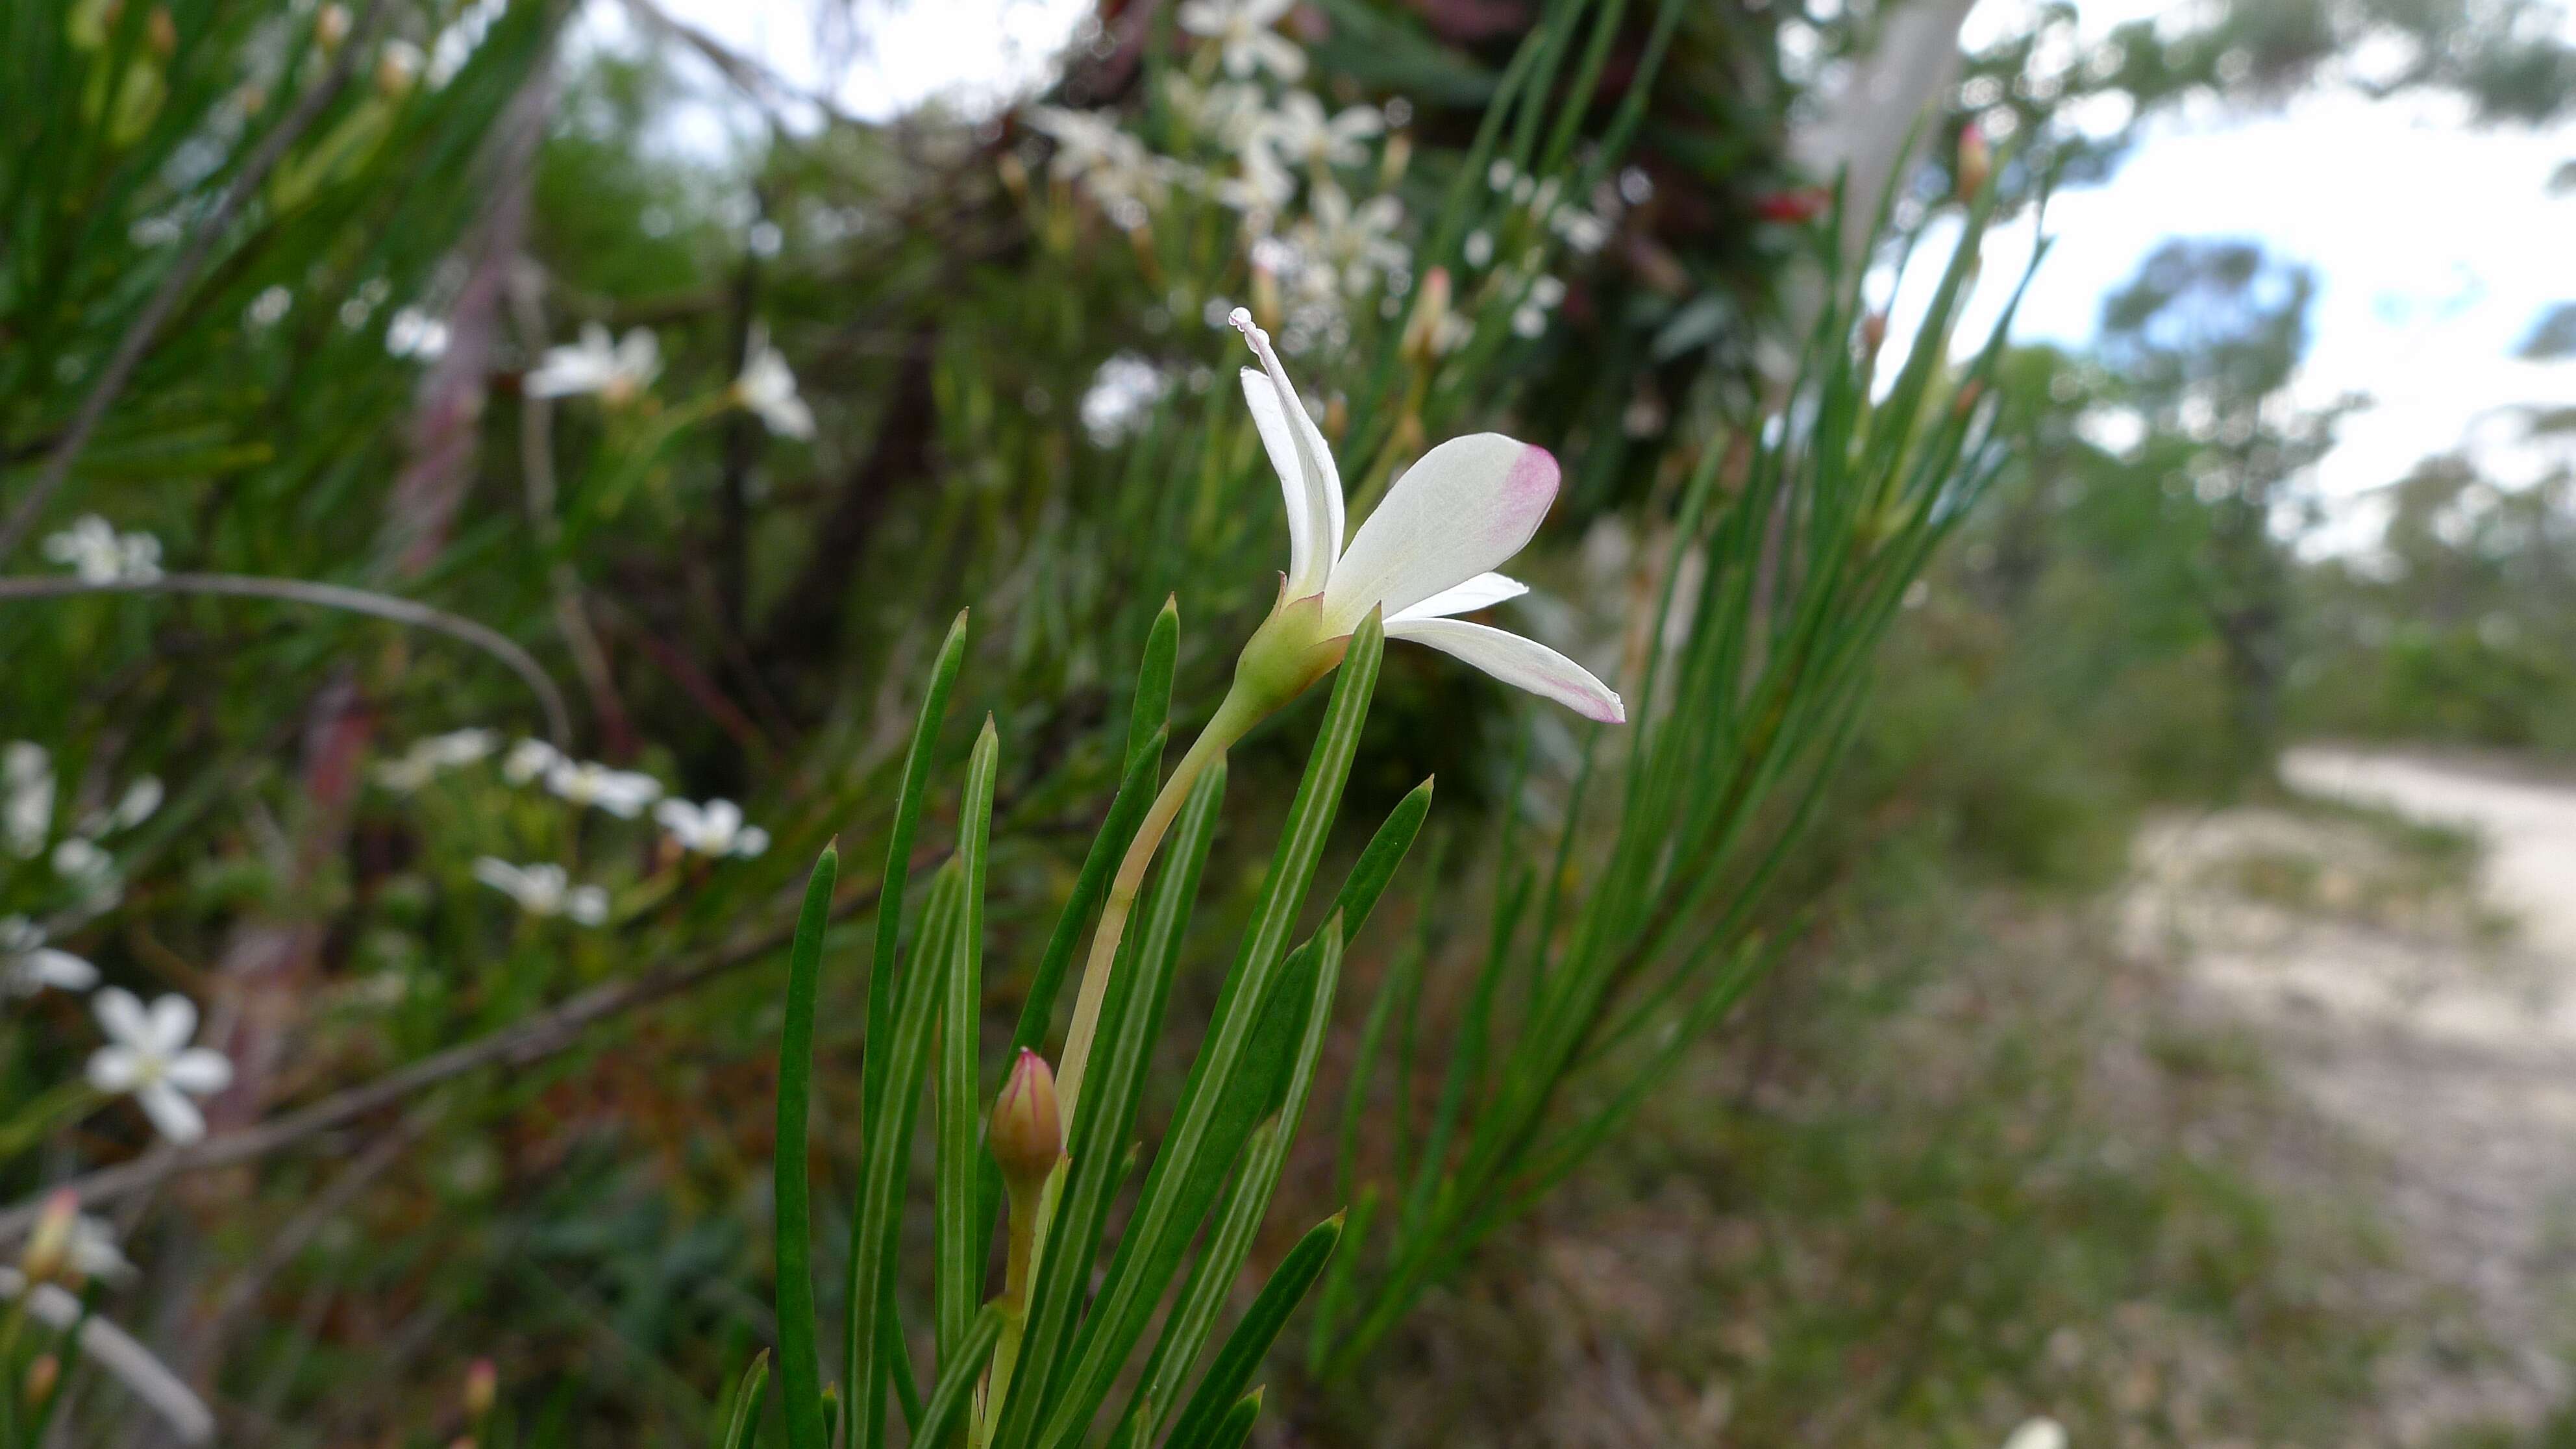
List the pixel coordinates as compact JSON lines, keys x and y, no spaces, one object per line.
{"x":2450,"y":1051}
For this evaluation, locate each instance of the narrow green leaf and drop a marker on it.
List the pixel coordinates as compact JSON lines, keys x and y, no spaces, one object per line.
{"x":1211,"y":1281}
{"x":958,"y":1373}
{"x":876,"y":1229}
{"x":1231,"y":1432}
{"x":1152,"y":711}
{"x":800,"y":1365}
{"x":909,"y":799}
{"x":1250,"y":1342}
{"x":1186,"y":1173}
{"x":746,"y":1404}
{"x":960,"y":1252}
{"x":1105,"y":1117}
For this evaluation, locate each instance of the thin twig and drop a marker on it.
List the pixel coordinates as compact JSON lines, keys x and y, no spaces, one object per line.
{"x":538,"y":1037}
{"x":325,"y":596}
{"x":139,"y":336}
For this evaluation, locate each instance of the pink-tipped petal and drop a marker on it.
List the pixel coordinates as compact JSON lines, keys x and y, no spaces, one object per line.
{"x":1308,"y":478}
{"x":1519,"y":662}
{"x":1481,"y":592}
{"x":1467,"y":506}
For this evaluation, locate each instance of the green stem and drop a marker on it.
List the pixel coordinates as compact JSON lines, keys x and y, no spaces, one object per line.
{"x":1238,"y":714}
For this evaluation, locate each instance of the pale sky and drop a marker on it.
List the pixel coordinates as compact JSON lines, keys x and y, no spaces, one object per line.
{"x":2436,"y":243}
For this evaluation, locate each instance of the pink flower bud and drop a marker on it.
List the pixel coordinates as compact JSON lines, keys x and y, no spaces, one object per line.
{"x":1976,"y":161}
{"x":49,"y":1247}
{"x":482,"y":1388}
{"x":1027,"y":1134}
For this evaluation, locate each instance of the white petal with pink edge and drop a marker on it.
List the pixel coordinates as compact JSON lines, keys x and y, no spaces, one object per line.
{"x":1468,"y":505}
{"x":1521,"y":663}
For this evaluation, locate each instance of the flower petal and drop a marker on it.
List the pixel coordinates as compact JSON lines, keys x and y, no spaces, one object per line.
{"x":121,"y":1017}
{"x":171,"y":1111}
{"x":201,"y":1070}
{"x":115,"y":1068}
{"x":1468,"y":505}
{"x":174,"y":1020}
{"x":1481,"y":592}
{"x":1307,"y":476}
{"x":1519,"y":662}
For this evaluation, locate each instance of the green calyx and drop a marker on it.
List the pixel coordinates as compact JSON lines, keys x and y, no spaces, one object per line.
{"x":1289,"y":652}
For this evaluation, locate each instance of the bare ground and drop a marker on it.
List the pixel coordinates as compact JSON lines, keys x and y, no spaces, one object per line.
{"x":2436,"y":1026}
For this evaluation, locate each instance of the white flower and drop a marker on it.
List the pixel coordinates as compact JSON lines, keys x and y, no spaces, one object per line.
{"x":617,"y":371}
{"x":622,"y":793}
{"x":2040,"y":1433}
{"x":28,"y":965}
{"x":27,"y":814}
{"x":544,"y":890}
{"x":1428,"y":551}
{"x":1230,"y":113}
{"x":715,"y":828}
{"x":1354,"y":245}
{"x":87,"y":869}
{"x":94,"y":550}
{"x":141,"y":801}
{"x":1582,"y":230}
{"x":528,"y":759}
{"x":1124,"y":177}
{"x":768,"y":388}
{"x":1303,"y":136}
{"x":92,"y":1251}
{"x":1241,"y":29}
{"x":416,"y":766}
{"x":1262,"y":189}
{"x":148,"y":1055}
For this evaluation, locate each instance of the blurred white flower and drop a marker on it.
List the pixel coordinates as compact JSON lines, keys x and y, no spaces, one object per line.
{"x":1354,"y":245}
{"x":1241,"y":30}
{"x":1426,"y":555}
{"x":2039,"y":1433}
{"x":28,"y":965}
{"x":426,"y":758}
{"x":92,"y":1251}
{"x":622,"y":793}
{"x":141,"y":801}
{"x":1264,"y":187}
{"x":1304,"y":136}
{"x":87,"y":869}
{"x":1582,"y":230}
{"x":544,"y":890}
{"x":1114,"y":167}
{"x":528,"y":759}
{"x":615,"y":370}
{"x":414,"y":333}
{"x":715,"y":828}
{"x":93,"y":549}
{"x":1479,"y":247}
{"x":148,"y":1055}
{"x":1230,"y":113}
{"x":27,"y":811}
{"x":768,"y":388}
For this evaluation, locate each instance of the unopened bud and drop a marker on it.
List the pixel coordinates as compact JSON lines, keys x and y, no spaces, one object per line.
{"x":1794,"y":207}
{"x":1337,"y":417}
{"x":1027,"y":1134}
{"x":397,"y":69}
{"x":1421,"y":341}
{"x":1014,"y":173}
{"x":1976,"y":161}
{"x":1873,"y":333}
{"x":482,"y":1387}
{"x":49,"y":1247}
{"x":161,"y":32}
{"x":331,"y":26}
{"x":1391,"y":164}
{"x":42,"y":1374}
